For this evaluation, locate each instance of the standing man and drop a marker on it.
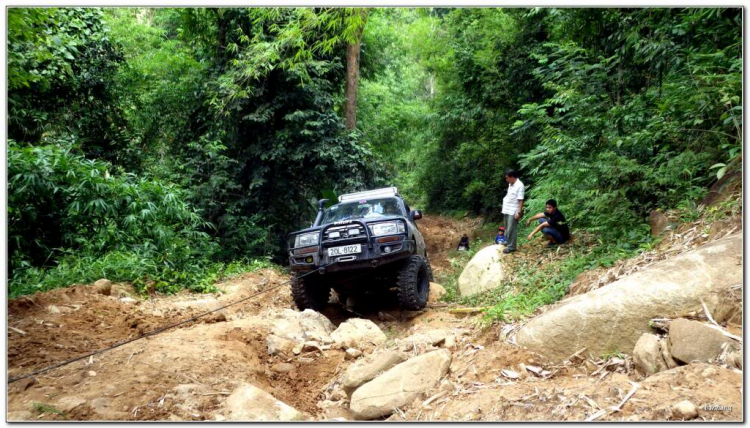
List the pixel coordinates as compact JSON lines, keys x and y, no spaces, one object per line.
{"x":512,"y":208}
{"x":552,"y":223}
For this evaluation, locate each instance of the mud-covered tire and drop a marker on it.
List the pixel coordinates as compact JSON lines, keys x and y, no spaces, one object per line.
{"x":413,"y":283}
{"x":310,"y":293}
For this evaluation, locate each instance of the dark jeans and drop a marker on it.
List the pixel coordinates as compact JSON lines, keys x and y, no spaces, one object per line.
{"x":550,"y":231}
{"x":511,"y":229}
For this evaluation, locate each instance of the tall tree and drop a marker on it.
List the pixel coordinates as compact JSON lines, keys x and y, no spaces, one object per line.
{"x":356,"y":21}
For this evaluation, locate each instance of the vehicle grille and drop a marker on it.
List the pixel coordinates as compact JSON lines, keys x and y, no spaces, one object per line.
{"x":345,"y":233}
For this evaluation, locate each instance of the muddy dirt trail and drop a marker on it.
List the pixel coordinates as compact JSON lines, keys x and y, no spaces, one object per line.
{"x":190,"y":372}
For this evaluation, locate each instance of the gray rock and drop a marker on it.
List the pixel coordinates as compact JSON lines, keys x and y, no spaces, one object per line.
{"x":647,"y":355}
{"x":53,"y":309}
{"x":292,"y":330}
{"x":400,"y":385}
{"x":103,"y":286}
{"x":358,"y":333}
{"x":353,"y":354}
{"x":483,"y":272}
{"x":614,"y":317}
{"x":128,"y":300}
{"x":430,"y":337}
{"x":249,"y":403}
{"x":67,"y":404}
{"x":316,"y":326}
{"x":279,"y":345}
{"x":436,"y":292}
{"x":301,"y":327}
{"x":684,"y":410}
{"x":450,"y":342}
{"x":666,"y":354}
{"x":368,"y":368}
{"x":694,"y":341}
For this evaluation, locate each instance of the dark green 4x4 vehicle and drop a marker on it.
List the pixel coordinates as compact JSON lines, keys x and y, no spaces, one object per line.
{"x":368,"y":241}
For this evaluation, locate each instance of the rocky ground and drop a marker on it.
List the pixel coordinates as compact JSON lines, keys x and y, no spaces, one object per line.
{"x":261,"y":360}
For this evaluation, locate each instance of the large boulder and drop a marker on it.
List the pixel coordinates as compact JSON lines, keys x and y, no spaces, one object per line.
{"x":694,"y":341}
{"x":400,"y":385}
{"x":614,"y":317}
{"x":358,"y":333}
{"x":484,"y":272}
{"x":367,"y":369}
{"x":250,"y":403}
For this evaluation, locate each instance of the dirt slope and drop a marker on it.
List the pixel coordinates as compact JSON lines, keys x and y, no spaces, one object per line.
{"x":188,"y":372}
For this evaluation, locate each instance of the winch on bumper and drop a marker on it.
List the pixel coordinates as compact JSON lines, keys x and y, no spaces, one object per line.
{"x":374,"y":251}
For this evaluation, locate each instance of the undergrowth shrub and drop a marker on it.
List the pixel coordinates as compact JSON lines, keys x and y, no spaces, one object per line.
{"x":75,"y":220}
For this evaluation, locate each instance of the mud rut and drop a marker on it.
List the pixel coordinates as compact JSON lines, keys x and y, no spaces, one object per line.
{"x":187,"y":373}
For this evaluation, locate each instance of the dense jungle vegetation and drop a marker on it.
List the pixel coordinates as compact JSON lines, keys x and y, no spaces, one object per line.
{"x":182,"y":145}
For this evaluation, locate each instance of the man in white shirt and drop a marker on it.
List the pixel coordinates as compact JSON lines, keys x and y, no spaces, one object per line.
{"x":512,"y":208}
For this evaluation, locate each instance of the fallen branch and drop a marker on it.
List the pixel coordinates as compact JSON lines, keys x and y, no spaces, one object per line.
{"x":467,"y":310}
{"x":434,"y":397}
{"x":575,"y":355}
{"x":21,"y":332}
{"x":716,"y":325}
{"x":616,"y":408}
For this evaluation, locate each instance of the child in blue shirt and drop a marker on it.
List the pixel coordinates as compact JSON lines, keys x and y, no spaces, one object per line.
{"x":500,"y":237}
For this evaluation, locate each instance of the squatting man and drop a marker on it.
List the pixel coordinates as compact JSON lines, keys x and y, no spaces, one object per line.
{"x":552,"y":223}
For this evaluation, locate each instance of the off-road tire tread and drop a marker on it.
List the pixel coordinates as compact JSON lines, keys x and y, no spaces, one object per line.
{"x":310,"y":294}
{"x":406,"y":280}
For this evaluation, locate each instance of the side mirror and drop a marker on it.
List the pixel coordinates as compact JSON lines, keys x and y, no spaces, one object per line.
{"x":416,"y":214}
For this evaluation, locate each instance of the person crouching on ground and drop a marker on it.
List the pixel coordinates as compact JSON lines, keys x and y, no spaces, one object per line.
{"x":552,"y":223}
{"x":463,"y":244}
{"x":500,"y":237}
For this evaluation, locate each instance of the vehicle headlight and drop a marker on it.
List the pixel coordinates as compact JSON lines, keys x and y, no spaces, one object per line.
{"x":306,"y":239}
{"x":388,"y":228}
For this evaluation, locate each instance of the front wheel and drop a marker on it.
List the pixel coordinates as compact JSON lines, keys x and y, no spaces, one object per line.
{"x":413,"y":283}
{"x":310,"y":292}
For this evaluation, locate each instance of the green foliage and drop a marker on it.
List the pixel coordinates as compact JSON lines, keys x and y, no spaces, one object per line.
{"x":45,"y":408}
{"x":613,"y":112}
{"x":88,"y":219}
{"x":156,"y":86}
{"x":61,"y":63}
{"x":272,"y":140}
{"x":541,"y":282}
{"x":162,"y":144}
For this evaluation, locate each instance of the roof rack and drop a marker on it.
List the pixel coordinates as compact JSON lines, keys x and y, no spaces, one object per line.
{"x":369,"y":194}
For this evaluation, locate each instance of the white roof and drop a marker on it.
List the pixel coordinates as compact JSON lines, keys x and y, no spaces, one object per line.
{"x":369,"y":194}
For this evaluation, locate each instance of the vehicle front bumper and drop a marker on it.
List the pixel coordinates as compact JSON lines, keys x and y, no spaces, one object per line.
{"x":372,"y":256}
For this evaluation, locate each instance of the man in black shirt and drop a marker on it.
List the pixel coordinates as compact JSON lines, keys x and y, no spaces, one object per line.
{"x":552,"y":223}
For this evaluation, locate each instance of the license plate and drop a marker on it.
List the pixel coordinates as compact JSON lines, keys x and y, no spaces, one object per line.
{"x":346,"y":249}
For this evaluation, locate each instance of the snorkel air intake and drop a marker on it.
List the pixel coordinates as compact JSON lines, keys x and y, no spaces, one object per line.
{"x":321,"y":203}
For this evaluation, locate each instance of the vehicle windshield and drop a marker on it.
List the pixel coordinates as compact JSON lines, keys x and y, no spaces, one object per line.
{"x":370,"y":208}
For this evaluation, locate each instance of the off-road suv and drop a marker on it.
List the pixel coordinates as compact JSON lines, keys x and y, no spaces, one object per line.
{"x":367,"y":242}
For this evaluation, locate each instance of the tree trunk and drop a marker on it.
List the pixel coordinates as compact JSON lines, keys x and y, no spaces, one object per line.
{"x":352,"y":82}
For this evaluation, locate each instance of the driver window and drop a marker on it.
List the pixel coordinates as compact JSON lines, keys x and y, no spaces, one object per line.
{"x":391,"y":208}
